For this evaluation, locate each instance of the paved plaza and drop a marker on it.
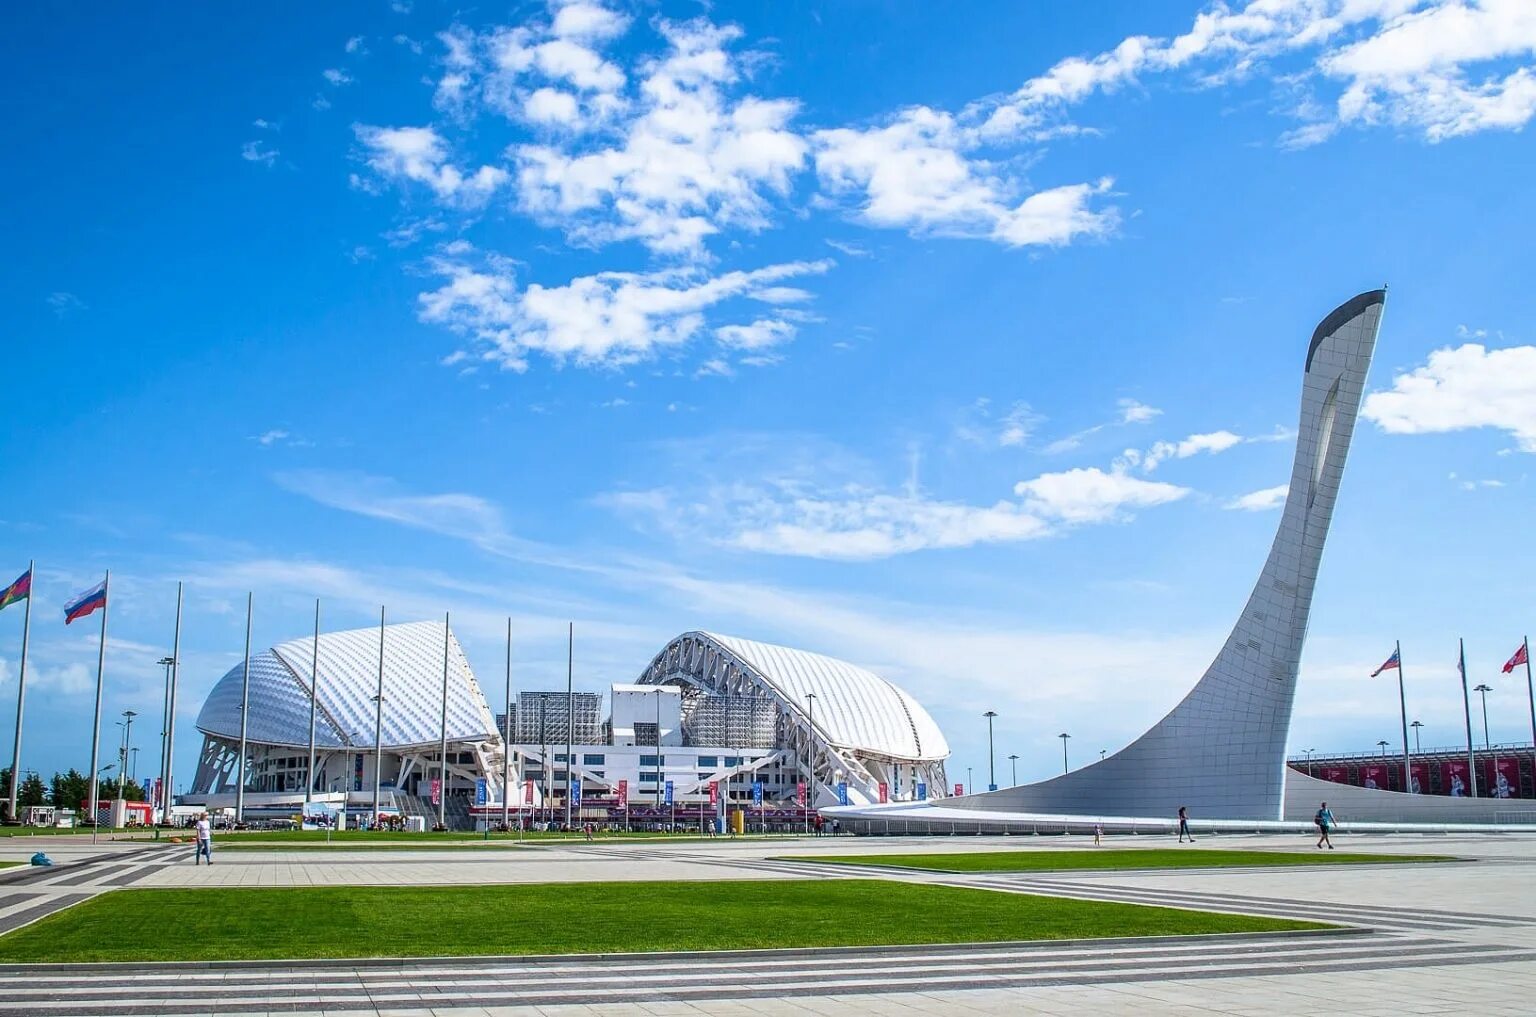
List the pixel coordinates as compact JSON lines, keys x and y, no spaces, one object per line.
{"x":1457,"y":937}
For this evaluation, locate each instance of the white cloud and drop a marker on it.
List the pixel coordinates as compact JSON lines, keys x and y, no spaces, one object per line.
{"x":465,"y":516}
{"x":1215,"y":442}
{"x":914,"y":173}
{"x":689,"y":158}
{"x":607,"y":319}
{"x":551,"y":106}
{"x":269,"y":438}
{"x":1467,"y":387}
{"x":1261,"y":500}
{"x":760,"y":335}
{"x":64,"y":304}
{"x":1134,"y":412}
{"x":1090,"y":495}
{"x":419,"y":154}
{"x":258,"y":152}
{"x":336,"y":76}
{"x":355,"y":45}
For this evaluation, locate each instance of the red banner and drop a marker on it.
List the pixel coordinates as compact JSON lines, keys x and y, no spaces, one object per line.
{"x":884,"y":793}
{"x":800,"y":794}
{"x":1335,"y":774}
{"x":959,"y":790}
{"x":623,"y":794}
{"x":1506,"y":778}
{"x":437,"y":791}
{"x":527,"y":792}
{"x":1421,"y":778}
{"x":1453,"y":780}
{"x":714,"y":792}
{"x":1374,"y":776}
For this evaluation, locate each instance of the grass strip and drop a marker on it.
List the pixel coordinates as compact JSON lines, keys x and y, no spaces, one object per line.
{"x":1093,"y":859}
{"x":568,"y":918}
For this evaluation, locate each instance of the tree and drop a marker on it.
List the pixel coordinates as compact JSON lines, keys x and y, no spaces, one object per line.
{"x":70,"y":790}
{"x":31,"y":792}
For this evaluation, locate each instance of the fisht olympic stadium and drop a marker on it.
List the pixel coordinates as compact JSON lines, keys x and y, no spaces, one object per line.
{"x":713,"y":720}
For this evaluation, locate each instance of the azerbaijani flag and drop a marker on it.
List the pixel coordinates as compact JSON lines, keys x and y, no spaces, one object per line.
{"x":1394,"y":661}
{"x":89,"y":601}
{"x":21,"y":589}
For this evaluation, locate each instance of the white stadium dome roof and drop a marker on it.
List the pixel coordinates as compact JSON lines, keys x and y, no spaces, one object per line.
{"x":349,"y":678}
{"x":855,"y":709}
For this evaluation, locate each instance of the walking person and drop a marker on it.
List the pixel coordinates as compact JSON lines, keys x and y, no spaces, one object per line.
{"x":1184,"y":825}
{"x":1324,"y":821}
{"x":204,"y":840}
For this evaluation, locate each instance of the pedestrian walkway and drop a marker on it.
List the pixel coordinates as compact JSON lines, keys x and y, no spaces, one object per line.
{"x":697,"y":977}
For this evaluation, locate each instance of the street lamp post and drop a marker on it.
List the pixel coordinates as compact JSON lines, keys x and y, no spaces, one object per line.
{"x":122,"y":770}
{"x":1309,"y":761}
{"x":1382,"y":744}
{"x":1416,"y":725}
{"x":991,"y":759}
{"x":1064,"y":736}
{"x":1102,"y":754}
{"x":970,"y":788}
{"x":1014,"y":759}
{"x":165,"y":726}
{"x":1483,"y":690}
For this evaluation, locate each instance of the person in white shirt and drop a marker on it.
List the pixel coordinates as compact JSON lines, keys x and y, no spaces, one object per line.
{"x":204,"y":840}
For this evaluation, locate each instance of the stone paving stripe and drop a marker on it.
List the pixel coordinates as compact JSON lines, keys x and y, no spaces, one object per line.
{"x":17,"y":919}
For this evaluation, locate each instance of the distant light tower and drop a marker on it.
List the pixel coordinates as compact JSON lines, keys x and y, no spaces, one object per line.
{"x":1102,"y":754}
{"x":991,"y":759}
{"x":1483,"y":690}
{"x":1014,"y":759}
{"x":970,"y":788}
{"x":1064,"y":736}
{"x":1416,"y":725}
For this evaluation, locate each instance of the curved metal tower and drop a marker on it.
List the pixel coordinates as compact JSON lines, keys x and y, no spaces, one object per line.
{"x":1221,"y":751}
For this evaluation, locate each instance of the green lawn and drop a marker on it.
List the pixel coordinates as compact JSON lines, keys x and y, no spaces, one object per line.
{"x":1138,"y":858}
{"x":298,"y":922}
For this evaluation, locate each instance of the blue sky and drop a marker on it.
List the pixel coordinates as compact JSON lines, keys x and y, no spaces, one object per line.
{"x":960,"y":342}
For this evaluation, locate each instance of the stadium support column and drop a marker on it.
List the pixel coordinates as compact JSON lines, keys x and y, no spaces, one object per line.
{"x":506,"y":746}
{"x":442,"y":749}
{"x":570,"y":713}
{"x":245,"y":709}
{"x":314,"y":698}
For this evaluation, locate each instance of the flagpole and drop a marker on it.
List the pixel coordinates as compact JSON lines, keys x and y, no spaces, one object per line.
{"x":21,"y":693}
{"x":378,"y":724}
{"x":442,"y":752}
{"x":1402,"y":701}
{"x":1530,"y":690}
{"x":101,"y":666}
{"x":506,"y":747}
{"x":167,"y":797}
{"x":314,"y":697}
{"x":570,"y":716}
{"x":1466,"y":703}
{"x":245,"y":708}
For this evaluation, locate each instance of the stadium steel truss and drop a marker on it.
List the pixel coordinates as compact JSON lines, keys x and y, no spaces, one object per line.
{"x":843,"y":723}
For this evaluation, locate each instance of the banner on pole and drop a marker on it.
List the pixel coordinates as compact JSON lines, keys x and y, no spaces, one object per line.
{"x":800,"y":794}
{"x":480,"y":791}
{"x":527,"y":792}
{"x":922,"y":792}
{"x":357,"y":772}
{"x":959,"y":790}
{"x":623,"y":791}
{"x":576,"y":790}
{"x":885,"y":793}
{"x":842,"y":792}
{"x":667,"y":792}
{"x":757,"y":792}
{"x":714,"y":792}
{"x":437,"y":791}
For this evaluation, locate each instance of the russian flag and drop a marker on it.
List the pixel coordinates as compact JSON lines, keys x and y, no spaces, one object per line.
{"x":89,"y":601}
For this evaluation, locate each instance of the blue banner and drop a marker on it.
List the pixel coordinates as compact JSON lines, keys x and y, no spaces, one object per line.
{"x":922,"y":792}
{"x":575,"y":789}
{"x":667,"y":792}
{"x":842,"y":792}
{"x":757,"y":792}
{"x":480,"y":795}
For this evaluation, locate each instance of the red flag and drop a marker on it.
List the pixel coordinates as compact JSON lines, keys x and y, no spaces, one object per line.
{"x":1520,"y":657}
